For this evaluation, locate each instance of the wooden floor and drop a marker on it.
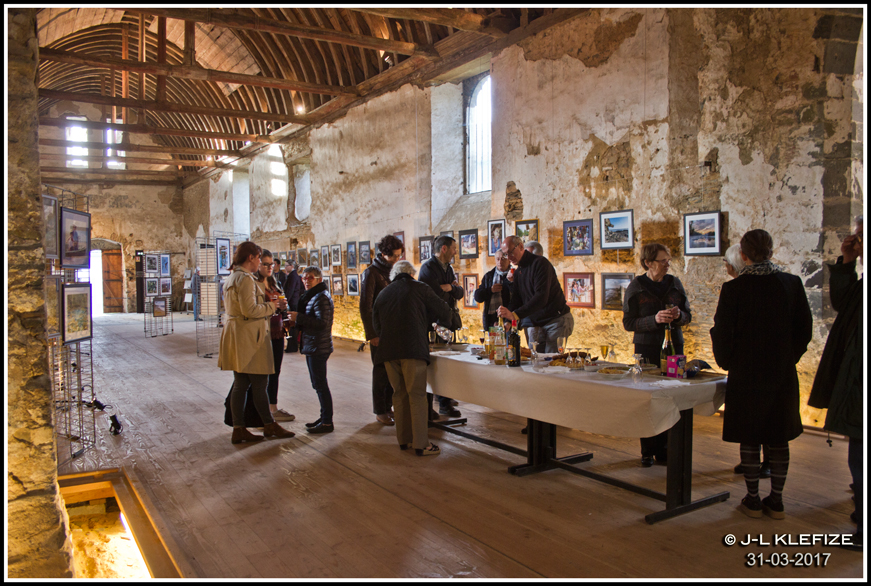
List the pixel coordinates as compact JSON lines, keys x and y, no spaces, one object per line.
{"x":352,"y":505}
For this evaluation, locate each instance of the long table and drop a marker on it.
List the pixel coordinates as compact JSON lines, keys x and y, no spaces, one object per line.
{"x":587,"y":402}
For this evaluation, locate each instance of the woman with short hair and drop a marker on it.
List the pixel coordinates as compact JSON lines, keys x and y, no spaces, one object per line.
{"x":762,"y":327}
{"x":265,"y":277}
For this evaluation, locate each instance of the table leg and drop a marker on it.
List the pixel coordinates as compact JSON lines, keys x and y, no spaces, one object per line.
{"x":541,"y":450}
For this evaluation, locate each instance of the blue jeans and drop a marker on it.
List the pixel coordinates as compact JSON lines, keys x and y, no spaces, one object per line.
{"x":317,"y":370}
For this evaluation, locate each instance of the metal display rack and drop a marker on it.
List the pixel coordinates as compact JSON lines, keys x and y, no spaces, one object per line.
{"x":156,"y":325}
{"x":208,"y":293}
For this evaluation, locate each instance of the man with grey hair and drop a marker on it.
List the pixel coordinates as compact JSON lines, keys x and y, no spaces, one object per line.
{"x":401,"y":316}
{"x":534,"y":247}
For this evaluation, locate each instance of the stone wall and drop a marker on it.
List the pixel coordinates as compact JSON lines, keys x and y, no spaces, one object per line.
{"x":38,"y":532}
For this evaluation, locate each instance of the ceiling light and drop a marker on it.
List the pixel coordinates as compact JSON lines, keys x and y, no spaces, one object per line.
{"x":300,"y":109}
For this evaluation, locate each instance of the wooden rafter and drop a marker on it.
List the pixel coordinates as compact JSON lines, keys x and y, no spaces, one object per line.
{"x":135,"y":160}
{"x":114,"y":172}
{"x":140,"y":147}
{"x":451,"y":17}
{"x":148,"y":129}
{"x":81,"y":181}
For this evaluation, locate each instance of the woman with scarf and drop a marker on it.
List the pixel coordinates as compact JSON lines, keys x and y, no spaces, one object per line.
{"x":761,"y":329}
{"x":314,"y":318}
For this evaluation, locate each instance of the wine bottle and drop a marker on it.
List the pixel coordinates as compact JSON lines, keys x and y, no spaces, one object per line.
{"x":499,"y":354}
{"x":667,"y":350}
{"x":513,"y":345}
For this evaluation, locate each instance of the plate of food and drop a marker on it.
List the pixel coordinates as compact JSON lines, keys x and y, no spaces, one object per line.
{"x":613,"y":372}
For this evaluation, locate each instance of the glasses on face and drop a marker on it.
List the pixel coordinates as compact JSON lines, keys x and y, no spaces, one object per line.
{"x":266,"y":264}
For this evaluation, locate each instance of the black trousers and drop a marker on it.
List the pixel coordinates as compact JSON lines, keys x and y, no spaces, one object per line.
{"x":277,"y":357}
{"x":382,"y":391}
{"x":317,"y":370}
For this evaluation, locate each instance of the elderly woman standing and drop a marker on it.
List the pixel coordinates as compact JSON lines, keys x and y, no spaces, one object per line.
{"x":314,"y":317}
{"x":654,"y":302}
{"x":761,"y":329}
{"x":245,"y":343}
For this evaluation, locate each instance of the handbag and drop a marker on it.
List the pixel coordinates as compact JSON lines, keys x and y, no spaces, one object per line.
{"x":251,"y":417}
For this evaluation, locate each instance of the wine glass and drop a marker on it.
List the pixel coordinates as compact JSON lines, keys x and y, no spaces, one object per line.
{"x":636,"y":371}
{"x":561,"y":344}
{"x":612,"y":356}
{"x":603,"y":348}
{"x":588,"y":359}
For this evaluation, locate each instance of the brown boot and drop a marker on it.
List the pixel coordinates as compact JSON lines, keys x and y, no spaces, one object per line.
{"x":241,"y":434}
{"x":275,"y":430}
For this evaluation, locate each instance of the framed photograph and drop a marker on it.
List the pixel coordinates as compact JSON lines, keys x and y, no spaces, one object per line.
{"x":578,"y":238}
{"x":351,"y":260}
{"x":527,"y":230}
{"x":225,"y":259}
{"x":401,"y":236}
{"x":52,"y":307}
{"x":579,"y":290}
{"x":324,"y":258}
{"x":425,"y":246}
{"x":469,"y":243}
{"x":495,"y":235}
{"x":470,"y":283}
{"x":302,"y":255}
{"x":314,"y":257}
{"x":336,"y":254}
{"x":701,"y":234}
{"x":165,"y":286}
{"x":291,"y":255}
{"x":354,"y":285}
{"x":164,"y":265}
{"x":152,"y":263}
{"x":75,"y":230}
{"x":151,"y":288}
{"x":76,"y":312}
{"x":365,"y":253}
{"x":337,"y":284}
{"x":613,"y":287}
{"x":49,"y":215}
{"x":158,"y":307}
{"x":617,"y":230}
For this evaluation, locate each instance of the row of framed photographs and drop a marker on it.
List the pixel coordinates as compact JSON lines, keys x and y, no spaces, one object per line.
{"x":67,"y":234}
{"x":331,"y":256}
{"x":157,"y":263}
{"x":155,"y":286}
{"x":579,"y":289}
{"x":68,"y":310}
{"x":337,"y":284}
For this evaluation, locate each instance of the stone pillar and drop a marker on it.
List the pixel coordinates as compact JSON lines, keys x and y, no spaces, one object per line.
{"x":38,"y":536}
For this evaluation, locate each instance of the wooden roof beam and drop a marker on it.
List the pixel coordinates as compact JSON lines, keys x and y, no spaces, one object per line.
{"x":140,"y":148}
{"x":497,"y":27}
{"x":80,"y":181}
{"x":134,"y":160}
{"x":92,"y":171}
{"x":147,"y":129}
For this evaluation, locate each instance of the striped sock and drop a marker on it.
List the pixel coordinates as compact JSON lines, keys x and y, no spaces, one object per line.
{"x":779,"y":466}
{"x":750,"y":464}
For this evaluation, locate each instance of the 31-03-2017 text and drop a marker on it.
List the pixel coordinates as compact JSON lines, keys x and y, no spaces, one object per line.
{"x":799,"y":560}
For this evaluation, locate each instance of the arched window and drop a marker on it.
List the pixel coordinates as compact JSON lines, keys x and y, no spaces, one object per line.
{"x":478,"y":173}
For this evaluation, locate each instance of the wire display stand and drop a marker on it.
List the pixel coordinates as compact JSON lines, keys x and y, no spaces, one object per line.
{"x":207,"y":292}
{"x":158,"y":317}
{"x":158,"y":301}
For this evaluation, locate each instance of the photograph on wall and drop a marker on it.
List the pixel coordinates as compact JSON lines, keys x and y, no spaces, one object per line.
{"x":337,"y":284}
{"x":164,"y":265}
{"x":165,"y":286}
{"x":527,"y":230}
{"x":291,"y":256}
{"x":401,"y":236}
{"x":222,"y":252}
{"x":302,"y":256}
{"x":158,"y":307}
{"x":336,"y":254}
{"x":353,"y":284}
{"x":365,"y":253}
{"x":470,"y":283}
{"x":314,"y":257}
{"x":495,"y":235}
{"x":151,"y":286}
{"x":152,"y":263}
{"x":469,"y":243}
{"x":352,"y":255}
{"x":52,"y":306}
{"x":75,"y":234}
{"x":577,"y":237}
{"x":324,"y":257}
{"x":49,"y":215}
{"x":616,"y":230}
{"x":701,"y":234}
{"x":613,"y":287}
{"x":579,"y":290}
{"x":76,"y":312}
{"x":425,"y":248}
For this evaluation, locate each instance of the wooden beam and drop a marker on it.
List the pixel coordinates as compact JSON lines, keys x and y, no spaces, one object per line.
{"x":194,"y":72}
{"x":77,"y":181}
{"x":134,"y":160}
{"x":280,"y":27}
{"x":115,"y":172}
{"x":161,"y":57}
{"x":147,"y":129}
{"x":170,"y":107}
{"x":453,"y":17}
{"x":139,"y":147}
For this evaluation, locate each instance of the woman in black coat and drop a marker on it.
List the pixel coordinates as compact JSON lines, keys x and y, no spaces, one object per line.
{"x":761,"y":329}
{"x":314,"y":317}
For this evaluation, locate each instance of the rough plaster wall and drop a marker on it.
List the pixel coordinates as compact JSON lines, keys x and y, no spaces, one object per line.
{"x":221,"y":203}
{"x":196,"y":219}
{"x":38,"y":544}
{"x":241,"y":210}
{"x":447,"y":148}
{"x":268,"y":211}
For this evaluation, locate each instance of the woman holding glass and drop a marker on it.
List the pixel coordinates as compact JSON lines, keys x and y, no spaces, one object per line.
{"x":652,"y":303}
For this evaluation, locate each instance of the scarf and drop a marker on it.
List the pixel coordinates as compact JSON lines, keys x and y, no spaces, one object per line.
{"x":496,"y":298}
{"x":307,"y":295}
{"x":766,"y":267}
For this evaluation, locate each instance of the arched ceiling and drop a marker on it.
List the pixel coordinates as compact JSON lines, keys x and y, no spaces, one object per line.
{"x":213,"y":85}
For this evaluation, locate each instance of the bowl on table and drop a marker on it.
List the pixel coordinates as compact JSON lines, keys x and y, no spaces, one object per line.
{"x":613,"y":372}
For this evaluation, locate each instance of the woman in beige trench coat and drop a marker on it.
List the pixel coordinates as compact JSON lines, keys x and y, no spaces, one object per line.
{"x":246,"y":348}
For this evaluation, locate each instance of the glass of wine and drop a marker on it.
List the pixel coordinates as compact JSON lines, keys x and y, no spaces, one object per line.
{"x":603,"y":348}
{"x":561,"y":344}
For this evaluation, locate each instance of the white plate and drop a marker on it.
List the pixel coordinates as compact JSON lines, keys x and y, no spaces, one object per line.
{"x":613,"y":376}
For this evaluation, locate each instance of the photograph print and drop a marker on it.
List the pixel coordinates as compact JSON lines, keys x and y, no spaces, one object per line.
{"x":578,"y":238}
{"x":152,"y":263}
{"x":401,"y":236}
{"x":325,"y":258}
{"x":616,"y":230}
{"x":313,"y":257}
{"x":469,"y":243}
{"x":158,"y":307}
{"x":49,"y":215}
{"x":613,"y":287}
{"x":352,"y":255}
{"x":75,"y":239}
{"x":164,"y":265}
{"x":425,"y":246}
{"x":702,"y":234}
{"x":76,"y":312}
{"x":495,"y":235}
{"x":354,"y":285}
{"x":337,"y":284}
{"x":151,"y":286}
{"x":165,"y":286}
{"x":579,"y":290}
{"x":336,"y":253}
{"x":302,"y":256}
{"x":225,"y":259}
{"x":527,"y":230}
{"x":470,"y":283}
{"x":365,"y":253}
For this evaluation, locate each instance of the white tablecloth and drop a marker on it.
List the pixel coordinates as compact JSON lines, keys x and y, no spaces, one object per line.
{"x":577,"y":400}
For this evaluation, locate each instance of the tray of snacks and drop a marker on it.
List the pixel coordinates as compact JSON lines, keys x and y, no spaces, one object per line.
{"x":613,"y":372}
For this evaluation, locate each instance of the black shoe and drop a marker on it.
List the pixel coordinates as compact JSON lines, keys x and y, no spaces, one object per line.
{"x":647,"y":461}
{"x":773,"y":509}
{"x":403,"y":446}
{"x":454,"y":403}
{"x":524,"y":431}
{"x":751,"y":506}
{"x":765,"y":470}
{"x":450,"y":412}
{"x":314,"y":423}
{"x":739,"y":469}
{"x":433,"y":416}
{"x":321,"y":428}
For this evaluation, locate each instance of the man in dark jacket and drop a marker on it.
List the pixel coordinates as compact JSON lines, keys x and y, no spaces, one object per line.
{"x":401,"y":316}
{"x":292,"y":290}
{"x":375,"y":279}
{"x":439,"y":275}
{"x":838,"y":382}
{"x":280,"y":276}
{"x":495,"y":290}
{"x":537,"y":298}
